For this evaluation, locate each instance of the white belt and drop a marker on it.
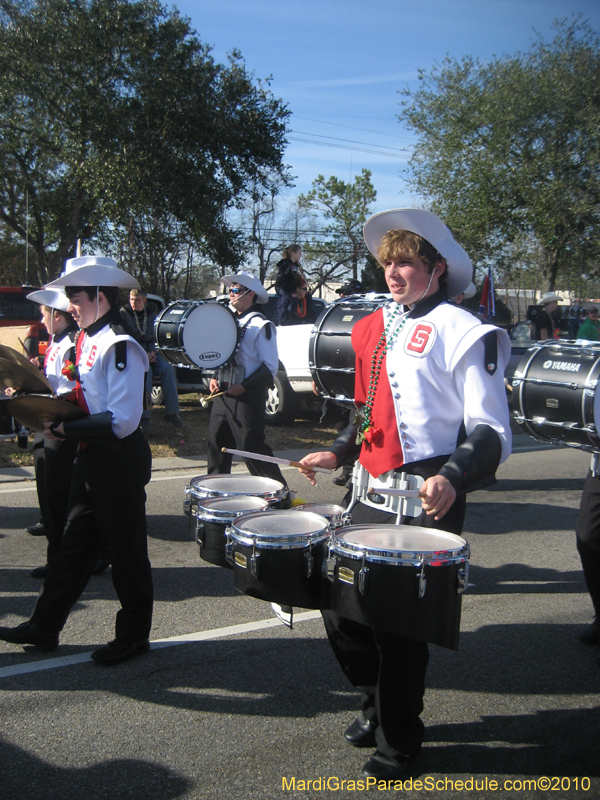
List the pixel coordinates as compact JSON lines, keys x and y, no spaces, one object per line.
{"x":364,"y":489}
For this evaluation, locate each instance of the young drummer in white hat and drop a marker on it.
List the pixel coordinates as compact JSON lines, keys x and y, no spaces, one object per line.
{"x":430,"y":391}
{"x":113,"y":465}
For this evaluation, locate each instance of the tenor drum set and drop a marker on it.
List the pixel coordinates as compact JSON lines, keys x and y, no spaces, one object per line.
{"x":399,"y":578}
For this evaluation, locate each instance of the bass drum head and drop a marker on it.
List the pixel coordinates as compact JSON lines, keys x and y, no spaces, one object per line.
{"x":555,"y":396}
{"x":197,"y":333}
{"x":330,"y":355}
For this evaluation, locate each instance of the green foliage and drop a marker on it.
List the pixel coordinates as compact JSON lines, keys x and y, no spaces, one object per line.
{"x":112,"y":109}
{"x":373,"y":276}
{"x":345,"y":206}
{"x":511,"y":148}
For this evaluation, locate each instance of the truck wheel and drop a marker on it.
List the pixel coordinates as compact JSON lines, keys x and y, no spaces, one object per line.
{"x":282,"y":401}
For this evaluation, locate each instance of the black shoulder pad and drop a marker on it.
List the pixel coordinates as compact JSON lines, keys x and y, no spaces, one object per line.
{"x":268,"y":331}
{"x":490,"y":345}
{"x":121,"y":355}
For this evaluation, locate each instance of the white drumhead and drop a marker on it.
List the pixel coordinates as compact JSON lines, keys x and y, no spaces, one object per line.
{"x":239,"y":504}
{"x":210,"y":335}
{"x":400,"y":538}
{"x":224,"y":485}
{"x":327,"y":510}
{"x":279,"y":525}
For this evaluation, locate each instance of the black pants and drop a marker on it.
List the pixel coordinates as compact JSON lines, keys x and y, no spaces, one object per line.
{"x":588,"y":538}
{"x":239,"y":422}
{"x":388,"y":670}
{"x":107,"y":506}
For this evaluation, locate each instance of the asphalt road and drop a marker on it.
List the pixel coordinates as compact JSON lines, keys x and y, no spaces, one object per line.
{"x":229,"y":702}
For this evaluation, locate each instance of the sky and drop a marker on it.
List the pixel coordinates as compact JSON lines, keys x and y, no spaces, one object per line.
{"x":339,"y":65}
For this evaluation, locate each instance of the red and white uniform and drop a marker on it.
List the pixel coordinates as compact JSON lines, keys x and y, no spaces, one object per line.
{"x":56,"y":354}
{"x":432,"y":380}
{"x":104,"y":387}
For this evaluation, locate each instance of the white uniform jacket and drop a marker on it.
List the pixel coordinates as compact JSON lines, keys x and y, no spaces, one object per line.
{"x":56,"y":355}
{"x":256,"y":348}
{"x":107,"y":388}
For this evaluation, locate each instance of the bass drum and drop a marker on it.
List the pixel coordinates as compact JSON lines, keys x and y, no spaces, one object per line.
{"x":402,"y":579}
{"x":330,"y":355}
{"x":197,"y":333}
{"x":555,"y":395}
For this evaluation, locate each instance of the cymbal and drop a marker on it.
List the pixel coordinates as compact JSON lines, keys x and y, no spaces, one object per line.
{"x":16,"y":372}
{"x":32,"y":410}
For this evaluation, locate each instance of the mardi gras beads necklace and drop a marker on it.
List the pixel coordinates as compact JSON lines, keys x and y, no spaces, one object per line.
{"x":366,"y":429}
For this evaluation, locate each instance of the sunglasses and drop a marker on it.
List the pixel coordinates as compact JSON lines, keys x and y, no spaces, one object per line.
{"x":238,"y":289}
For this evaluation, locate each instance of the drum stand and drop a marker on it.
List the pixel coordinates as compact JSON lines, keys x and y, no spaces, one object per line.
{"x":595,"y":464}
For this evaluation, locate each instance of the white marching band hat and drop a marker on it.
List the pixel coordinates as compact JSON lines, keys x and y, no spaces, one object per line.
{"x":94,"y":271}
{"x":250,"y":282}
{"x":50,"y":298}
{"x":430,"y":227}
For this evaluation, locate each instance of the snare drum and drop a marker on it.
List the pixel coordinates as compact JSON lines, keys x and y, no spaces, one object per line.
{"x":197,"y":333}
{"x":403,"y":579}
{"x":213,"y":516}
{"x":278,"y":556}
{"x":205,"y":486}
{"x":555,"y":394}
{"x":330,"y":355}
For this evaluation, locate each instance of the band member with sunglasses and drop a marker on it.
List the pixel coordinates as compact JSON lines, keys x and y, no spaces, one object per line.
{"x":237,"y":419}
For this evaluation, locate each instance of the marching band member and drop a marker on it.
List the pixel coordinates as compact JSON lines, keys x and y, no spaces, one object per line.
{"x":54,"y":458}
{"x":113,"y":465}
{"x":237,"y":419}
{"x":432,"y":410}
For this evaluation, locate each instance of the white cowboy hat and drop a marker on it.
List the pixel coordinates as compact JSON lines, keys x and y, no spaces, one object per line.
{"x":250,"y":282}
{"x":549,"y":297}
{"x":94,"y":271}
{"x":431,"y":228}
{"x":469,"y":291}
{"x":50,"y":298}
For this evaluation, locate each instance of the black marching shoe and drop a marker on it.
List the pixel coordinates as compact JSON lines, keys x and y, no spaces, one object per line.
{"x":174,"y":419}
{"x":361,"y":733}
{"x":37,"y":529}
{"x":30,"y":633}
{"x":385,"y":768}
{"x":118,"y":651}
{"x":591,"y":634}
{"x":40,"y":572}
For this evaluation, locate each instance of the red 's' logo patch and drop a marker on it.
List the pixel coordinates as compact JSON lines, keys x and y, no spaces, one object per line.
{"x":420,"y":340}
{"x":92,"y":356}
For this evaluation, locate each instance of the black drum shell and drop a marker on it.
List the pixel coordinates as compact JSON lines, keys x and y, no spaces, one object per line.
{"x":391,"y":601}
{"x":282,"y":575}
{"x":552,"y":397}
{"x":211,"y":541}
{"x":331,"y":357}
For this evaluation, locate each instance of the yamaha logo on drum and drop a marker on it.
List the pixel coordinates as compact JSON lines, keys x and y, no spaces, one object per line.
{"x":209,"y":356}
{"x":564,"y":366}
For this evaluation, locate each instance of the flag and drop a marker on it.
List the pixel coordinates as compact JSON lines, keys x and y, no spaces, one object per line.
{"x":487,"y":304}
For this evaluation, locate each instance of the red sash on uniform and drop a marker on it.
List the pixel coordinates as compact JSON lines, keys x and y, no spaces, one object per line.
{"x":79,"y":396}
{"x":387,"y":453}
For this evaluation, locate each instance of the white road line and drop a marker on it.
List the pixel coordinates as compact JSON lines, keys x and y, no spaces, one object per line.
{"x":200,"y":636}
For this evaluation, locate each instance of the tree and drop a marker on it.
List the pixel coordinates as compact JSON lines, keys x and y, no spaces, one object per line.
{"x":340,"y":247}
{"x":511,"y":148}
{"x":110,"y":109}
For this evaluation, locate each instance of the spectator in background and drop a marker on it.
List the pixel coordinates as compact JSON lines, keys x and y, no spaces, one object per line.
{"x":350,"y":288}
{"x":589,"y":329}
{"x":296,"y":309}
{"x":140,"y":325}
{"x":544,"y":324}
{"x":288,"y":270}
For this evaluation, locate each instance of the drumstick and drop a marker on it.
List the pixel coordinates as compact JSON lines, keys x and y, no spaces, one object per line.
{"x":275,"y":460}
{"x":27,"y":350}
{"x":397,"y":492}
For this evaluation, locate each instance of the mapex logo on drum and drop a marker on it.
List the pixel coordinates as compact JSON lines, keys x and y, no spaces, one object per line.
{"x":209,"y":356}
{"x":565,"y":366}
